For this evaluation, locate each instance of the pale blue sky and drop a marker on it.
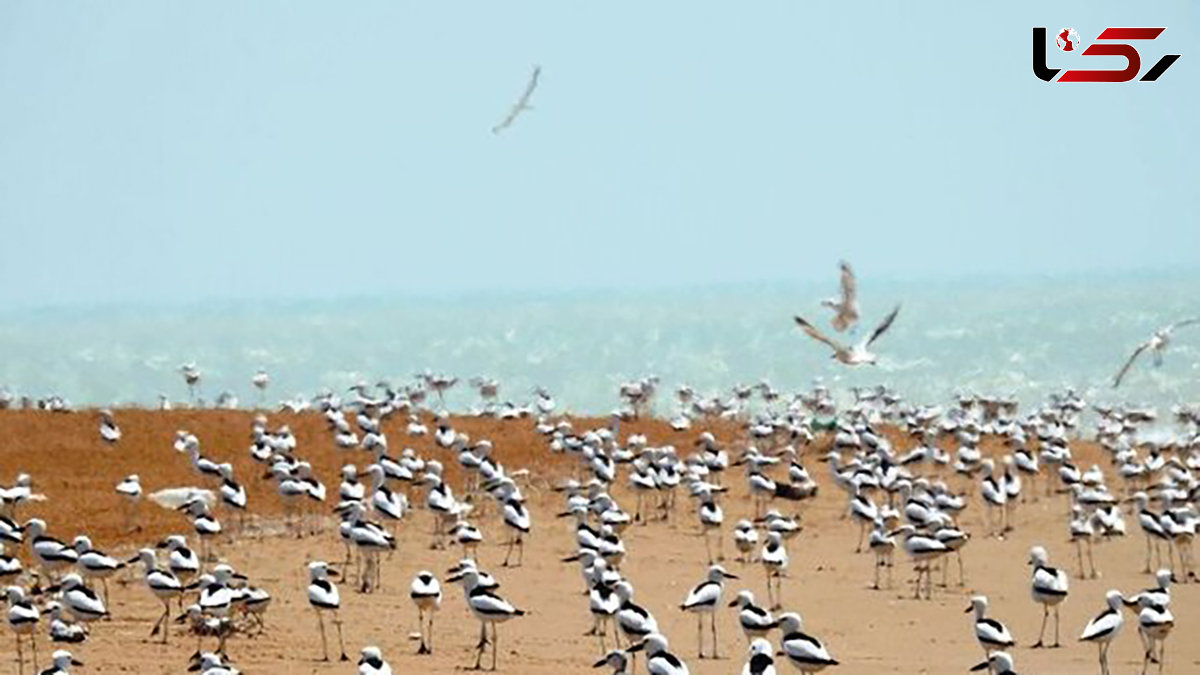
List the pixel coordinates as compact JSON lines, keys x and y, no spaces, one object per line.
{"x":155,"y":151}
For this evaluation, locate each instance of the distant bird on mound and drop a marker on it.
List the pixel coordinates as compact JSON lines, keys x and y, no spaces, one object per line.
{"x":1157,"y":344}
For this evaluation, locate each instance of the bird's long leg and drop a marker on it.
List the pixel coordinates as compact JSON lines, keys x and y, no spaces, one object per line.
{"x":495,"y":643}
{"x":1091,"y":558}
{"x":337,"y":621}
{"x":713,"y":617}
{"x":707,"y":545}
{"x":481,"y":646}
{"x":1056,"y":644}
{"x":1079,"y":557}
{"x":520,"y":550}
{"x":431,"y":631}
{"x":699,"y":636}
{"x":324,"y":642}
{"x":862,"y":531}
{"x":878,"y":563}
{"x":508,"y":553}
{"x":20,"y":655}
{"x":1042,"y":632}
{"x":33,"y":644}
{"x":962,"y":576}
{"x":1147,"y":568}
{"x":166,"y":627}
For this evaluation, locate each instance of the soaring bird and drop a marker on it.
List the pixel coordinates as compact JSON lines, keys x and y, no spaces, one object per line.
{"x":522,"y":103}
{"x":857,"y":354}
{"x":845,"y":306}
{"x":1157,"y":344}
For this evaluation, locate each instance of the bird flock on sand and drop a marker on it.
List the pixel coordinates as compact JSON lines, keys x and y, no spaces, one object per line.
{"x":901,"y":506}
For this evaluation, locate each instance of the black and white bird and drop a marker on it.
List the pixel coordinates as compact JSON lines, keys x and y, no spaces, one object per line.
{"x":659,"y":660}
{"x":805,"y":652}
{"x":760,"y":661}
{"x":774,"y":558}
{"x":488,"y":608}
{"x":23,"y":617}
{"x":324,"y":598}
{"x":856,"y":354}
{"x":130,"y":489}
{"x":990,"y":633}
{"x":1104,"y":627}
{"x":60,"y":663}
{"x":110,"y":433}
{"x":95,"y":564}
{"x":426,"y":594}
{"x":755,"y":621}
{"x":81,"y":602}
{"x":1049,"y":588}
{"x":371,"y":662}
{"x":998,"y":663}
{"x":163,"y":584}
{"x":703,"y":599}
{"x":1155,"y":623}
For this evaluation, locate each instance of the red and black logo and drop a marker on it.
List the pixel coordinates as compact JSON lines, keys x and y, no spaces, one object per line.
{"x":1068,"y":41}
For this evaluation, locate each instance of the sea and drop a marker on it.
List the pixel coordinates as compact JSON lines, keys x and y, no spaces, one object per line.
{"x":1024,"y":337}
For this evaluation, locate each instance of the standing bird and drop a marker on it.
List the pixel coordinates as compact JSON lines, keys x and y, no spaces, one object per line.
{"x":845,"y":306}
{"x":371,"y":662}
{"x":659,"y":661}
{"x":1104,"y":627}
{"x":130,"y":489}
{"x":854,"y":355}
{"x":23,"y":617}
{"x":704,"y":599}
{"x":488,"y":608}
{"x":759,"y":661}
{"x":110,"y":433}
{"x":1157,"y":344}
{"x":163,"y":584}
{"x":522,"y":103}
{"x":323,"y":597}
{"x":774,"y":558}
{"x":803,"y":651}
{"x":1049,"y":589}
{"x":191,"y":377}
{"x":1155,"y":622}
{"x":991,"y":634}
{"x":426,"y":594}
{"x":756,"y":622}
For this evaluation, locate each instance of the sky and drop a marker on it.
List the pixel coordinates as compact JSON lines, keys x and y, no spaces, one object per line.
{"x":181,"y":151}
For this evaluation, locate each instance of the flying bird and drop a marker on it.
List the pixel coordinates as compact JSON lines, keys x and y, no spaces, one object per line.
{"x":845,"y":306}
{"x":857,"y":354}
{"x":1157,"y":344}
{"x":522,"y":103}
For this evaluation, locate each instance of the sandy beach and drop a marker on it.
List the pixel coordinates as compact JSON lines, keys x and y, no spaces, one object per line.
{"x":868,"y":631}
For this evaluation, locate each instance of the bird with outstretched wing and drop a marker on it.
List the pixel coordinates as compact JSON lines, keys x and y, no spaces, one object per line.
{"x":522,"y":103}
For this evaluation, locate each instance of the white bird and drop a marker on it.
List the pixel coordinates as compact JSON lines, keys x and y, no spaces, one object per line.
{"x":371,"y":662}
{"x":760,"y":660}
{"x":803,"y":651}
{"x":130,"y":489}
{"x":1155,"y":622}
{"x":61,"y":662}
{"x":81,"y":601}
{"x":845,"y":306}
{"x":704,"y":599}
{"x":110,"y":433}
{"x":991,"y":634}
{"x":659,"y":661}
{"x":1157,"y":344}
{"x":755,"y":621}
{"x":487,"y":607}
{"x":323,"y":597}
{"x":1049,"y":588}
{"x":1104,"y":627}
{"x":774,"y":558}
{"x":426,"y":594}
{"x":745,"y":538}
{"x":998,"y":663}
{"x":23,"y":617}
{"x":163,"y":584}
{"x":522,"y":103}
{"x":854,"y":355}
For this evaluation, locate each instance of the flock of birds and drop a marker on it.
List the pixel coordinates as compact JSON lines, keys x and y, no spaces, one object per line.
{"x":908,"y":501}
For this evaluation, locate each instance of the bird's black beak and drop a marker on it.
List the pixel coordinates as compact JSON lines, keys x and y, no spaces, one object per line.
{"x":600,"y":664}
{"x":132,"y":560}
{"x":968,"y":610}
{"x":980,"y":666}
{"x":332,"y":572}
{"x":76,"y":662}
{"x":730,"y":576}
{"x":733,"y":604}
{"x":637,"y":648}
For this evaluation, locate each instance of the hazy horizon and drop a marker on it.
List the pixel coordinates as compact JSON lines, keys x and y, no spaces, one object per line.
{"x":171,"y":153}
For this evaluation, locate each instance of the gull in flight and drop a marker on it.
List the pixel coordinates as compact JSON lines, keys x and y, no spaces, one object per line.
{"x":845,"y":306}
{"x":1157,"y":344}
{"x":522,"y":103}
{"x":857,"y":354}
